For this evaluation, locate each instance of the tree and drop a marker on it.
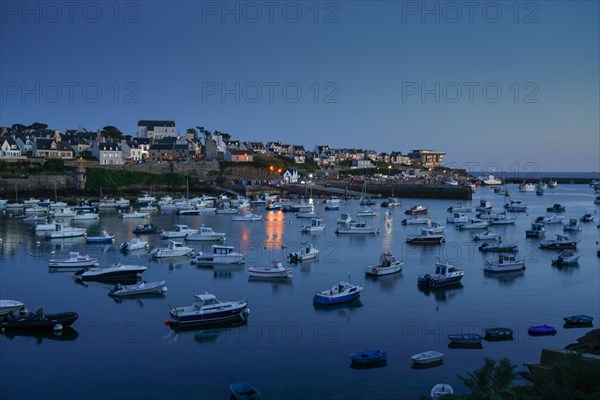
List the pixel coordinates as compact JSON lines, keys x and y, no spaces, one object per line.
{"x":38,"y":126}
{"x":19,"y":127}
{"x":113,"y":133}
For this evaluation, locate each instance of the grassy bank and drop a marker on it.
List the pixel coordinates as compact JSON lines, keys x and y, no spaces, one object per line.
{"x":111,"y":179}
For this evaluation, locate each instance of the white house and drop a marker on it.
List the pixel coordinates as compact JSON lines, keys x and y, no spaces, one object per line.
{"x":156,"y":130}
{"x":131,"y":151}
{"x":108,"y":153}
{"x":291,"y":176}
{"x":9,"y":148}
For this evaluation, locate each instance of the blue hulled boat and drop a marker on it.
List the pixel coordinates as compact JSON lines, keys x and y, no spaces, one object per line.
{"x":465,"y":338}
{"x":208,"y":309}
{"x":445,"y":275}
{"x":579,"y":320}
{"x":339,"y":293}
{"x":541,"y":330}
{"x":244,"y":391}
{"x":369,"y":357}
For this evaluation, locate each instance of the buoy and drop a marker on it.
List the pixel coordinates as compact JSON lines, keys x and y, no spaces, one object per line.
{"x":57,"y":327}
{"x":164,"y":289}
{"x":52,"y":252}
{"x":167,"y":322}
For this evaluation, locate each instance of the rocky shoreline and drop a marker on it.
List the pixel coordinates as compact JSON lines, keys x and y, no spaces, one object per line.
{"x":589,"y":343}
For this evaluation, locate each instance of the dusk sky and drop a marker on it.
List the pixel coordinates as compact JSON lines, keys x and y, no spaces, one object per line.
{"x":487,"y":82}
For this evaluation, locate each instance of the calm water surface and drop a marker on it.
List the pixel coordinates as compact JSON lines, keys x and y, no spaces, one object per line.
{"x":289,"y":348}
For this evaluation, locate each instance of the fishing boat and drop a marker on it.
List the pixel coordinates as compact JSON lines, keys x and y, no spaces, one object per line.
{"x":244,"y":391}
{"x":573,"y":225}
{"x":588,"y":217}
{"x":484,"y":205}
{"x":7,"y":306}
{"x":147,"y":229}
{"x":43,"y":227}
{"x":498,"y":333}
{"x":427,"y":357}
{"x":84,"y":216}
{"x":219,"y":255}
{"x":433,"y":228}
{"x":444,"y":275}
{"x":391,"y":202}
{"x":134,"y":244}
{"x":574,"y":320}
{"x":345,"y":219}
{"x":556,"y":208}
{"x":457,"y":218}
{"x":505,"y":263}
{"x":459,"y":208}
{"x":106,"y":237}
{"x":465,"y":338}
{"x":541,"y":330}
{"x":145,"y":199}
{"x":527,"y":187}
{"x":38,"y":320}
{"x":226,"y":209}
{"x":415,"y":221}
{"x":369,"y":357}
{"x":388,"y":264}
{"x":417,"y":210}
{"x":111,"y":272}
{"x":561,"y":242}
{"x":501,"y":219}
{"x":316,"y":225}
{"x":173,"y":249}
{"x":207,"y":309}
{"x":65,"y":212}
{"x":275,"y":269}
{"x":487,"y":235}
{"x":180,"y":231}
{"x":332,"y":204}
{"x":441,"y":389}
{"x":206,"y":234}
{"x":122,"y":203}
{"x":550,"y":218}
{"x":142,"y":288}
{"x":133,"y":214}
{"x":366,"y":212}
{"x":516,"y":206}
{"x":499,"y":247}
{"x":306,"y":252}
{"x":341,"y":292}
{"x":552,"y":184}
{"x":247,"y":217}
{"x":566,"y":257}
{"x":426,"y":237}
{"x":473,"y":223}
{"x":358,"y":227}
{"x":62,"y":231}
{"x":537,"y":230}
{"x":75,"y":260}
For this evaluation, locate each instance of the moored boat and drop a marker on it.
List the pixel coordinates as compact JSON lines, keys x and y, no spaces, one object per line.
{"x":459,"y":207}
{"x":306,"y":252}
{"x":505,"y":263}
{"x":147,"y":229}
{"x":561,"y":242}
{"x":541,"y":330}
{"x":106,"y":237}
{"x":206,"y":309}
{"x":7,"y":306}
{"x":415,"y":221}
{"x":359,"y":227}
{"x":427,"y":357}
{"x":316,"y":225}
{"x":369,"y":357}
{"x":573,"y":225}
{"x":426,"y":237}
{"x":556,"y":208}
{"x":133,"y":214}
{"x":62,"y":231}
{"x":138,"y":289}
{"x":75,"y":260}
{"x":247,"y":217}
{"x":441,"y":389}
{"x":537,"y":230}
{"x":220,"y":255}
{"x":205,"y":233}
{"x":444,"y":275}
{"x":473,"y":223}
{"x":244,"y":391}
{"x":38,"y":320}
{"x":487,"y":235}
{"x":499,"y":247}
{"x":273,"y":270}
{"x":465,"y":338}
{"x":180,"y":231}
{"x":566,"y":257}
{"x":388,"y":264}
{"x":173,"y":249}
{"x":574,"y":320}
{"x":417,"y":210}
{"x":134,"y":244}
{"x":111,"y":272}
{"x":498,"y":333}
{"x":84,"y":216}
{"x":339,"y":293}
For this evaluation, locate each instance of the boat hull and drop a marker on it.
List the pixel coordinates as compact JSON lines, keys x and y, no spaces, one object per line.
{"x":48,"y":322}
{"x":237,"y":312}
{"x":335,"y":299}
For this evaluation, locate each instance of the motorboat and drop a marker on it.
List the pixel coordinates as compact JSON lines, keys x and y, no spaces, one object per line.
{"x":7,"y":306}
{"x":197,"y":211}
{"x":38,"y":320}
{"x":499,"y":248}
{"x":366,"y":212}
{"x":65,"y":212}
{"x":82,"y":216}
{"x":561,"y":242}
{"x":225,"y":208}
{"x":205,"y":233}
{"x":465,"y":338}
{"x":307,"y":214}
{"x":273,"y":206}
{"x":415,"y":221}
{"x":275,"y":269}
{"x":359,"y":227}
{"x":306,"y":252}
{"x":180,"y":231}
{"x":62,"y":230}
{"x":111,"y":272}
{"x":541,"y":330}
{"x":173,"y":249}
{"x":247,"y":217}
{"x":138,"y":289}
{"x":433,"y":228}
{"x":244,"y":391}
{"x":147,"y":229}
{"x":333,"y":203}
{"x":134,"y":244}
{"x":566,"y":257}
{"x":505,"y":263}
{"x":501,"y":219}
{"x":441,"y":389}
{"x":43,"y":227}
{"x":341,"y":292}
{"x":588,"y":217}
{"x":206,"y":309}
{"x":573,"y":225}
{"x":597,"y":200}
{"x":451,"y":182}
{"x":148,"y":208}
{"x":417,"y":210}
{"x":122,"y":203}
{"x":444,"y":275}
{"x":145,"y":199}
{"x":556,"y":208}
{"x":34,"y":218}
{"x":457,"y":218}
{"x":459,"y":208}
{"x":388,"y":264}
{"x":219,"y":255}
{"x":426,"y":237}
{"x":35,"y":209}
{"x":316,"y":225}
{"x":498,"y":333}
{"x":490,"y":180}
{"x":369,"y":357}
{"x":106,"y":203}
{"x":516,"y":206}
{"x":537,"y":230}
{"x":473,"y":223}
{"x":75,"y":260}
{"x":106,"y":237}
{"x":583,"y":320}
{"x":345,"y":218}
{"x":550,"y":218}
{"x":484,"y":205}
{"x":427,"y":357}
{"x":487,"y":235}
{"x":527,"y":187}
{"x":133,"y":214}
{"x":391,"y":202}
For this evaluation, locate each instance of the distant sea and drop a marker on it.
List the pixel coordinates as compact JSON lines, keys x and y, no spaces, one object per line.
{"x":540,"y":175}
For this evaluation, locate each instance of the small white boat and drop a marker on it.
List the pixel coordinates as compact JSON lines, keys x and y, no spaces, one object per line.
{"x":114,"y":271}
{"x":148,"y":208}
{"x":487,"y":235}
{"x":82,"y":215}
{"x":106,"y":237}
{"x":451,"y":182}
{"x":566,"y":257}
{"x":355,"y":228}
{"x":457,"y":218}
{"x":516,"y":206}
{"x":180,"y":231}
{"x":207,"y":309}
{"x":490,"y":180}
{"x":573,"y":225}
{"x":434,"y":228}
{"x":561,"y":242}
{"x":207,"y":234}
{"x":226,"y":209}
{"x":247,"y":217}
{"x":173,"y":249}
{"x":427,"y":357}
{"x":459,"y":208}
{"x":316,"y":225}
{"x":505,"y":263}
{"x":219,"y":255}
{"x":484,"y":205}
{"x":273,"y":270}
{"x":366,"y":212}
{"x":501,"y":219}
{"x":441,"y":389}
{"x":588,"y":217}
{"x":527,"y":187}
{"x":145,"y":199}
{"x":415,"y":221}
{"x":307,"y":252}
{"x":345,"y":219}
{"x":138,"y":289}
{"x":133,"y":214}
{"x":49,"y":226}
{"x":7,"y":306}
{"x":122,"y":203}
{"x":62,"y":230}
{"x":388,"y":264}
{"x":134,"y":244}
{"x":75,"y":260}
{"x":550,"y":218}
{"x":65,"y":212}
{"x":537,"y":230}
{"x":106,"y":203}
{"x":473,"y":223}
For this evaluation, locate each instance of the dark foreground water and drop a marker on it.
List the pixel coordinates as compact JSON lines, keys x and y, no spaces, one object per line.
{"x":290,"y":349}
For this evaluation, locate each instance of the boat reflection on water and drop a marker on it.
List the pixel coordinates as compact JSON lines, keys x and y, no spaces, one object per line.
{"x":224,"y":271}
{"x":566,"y":269}
{"x":276,"y":283}
{"x":351,"y":305}
{"x":207,"y":333}
{"x":504,"y":278}
{"x":171,"y":264}
{"x":428,"y":365}
{"x":472,"y":346}
{"x":386,"y":283}
{"x":442,"y":294}
{"x":67,"y":334}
